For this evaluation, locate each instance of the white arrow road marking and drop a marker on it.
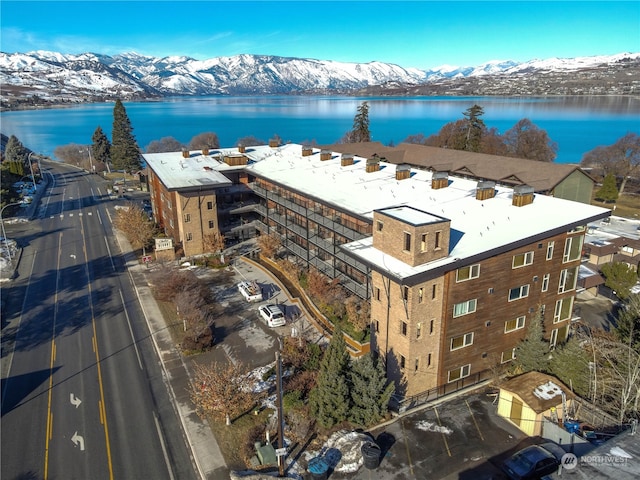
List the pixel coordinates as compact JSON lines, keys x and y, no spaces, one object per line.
{"x":74,"y":400}
{"x":77,"y":439}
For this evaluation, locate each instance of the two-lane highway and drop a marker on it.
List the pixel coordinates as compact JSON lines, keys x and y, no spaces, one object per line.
{"x":83,"y":395}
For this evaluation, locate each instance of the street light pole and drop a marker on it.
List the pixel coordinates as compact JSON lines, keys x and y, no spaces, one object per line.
{"x":4,"y":233}
{"x":33,"y":179}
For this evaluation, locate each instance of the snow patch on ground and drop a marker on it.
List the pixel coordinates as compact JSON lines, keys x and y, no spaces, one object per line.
{"x":432,"y":427}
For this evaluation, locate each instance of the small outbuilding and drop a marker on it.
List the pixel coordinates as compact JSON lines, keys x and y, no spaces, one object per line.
{"x":527,"y":399}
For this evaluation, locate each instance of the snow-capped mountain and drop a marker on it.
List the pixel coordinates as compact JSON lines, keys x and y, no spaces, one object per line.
{"x":59,"y":77}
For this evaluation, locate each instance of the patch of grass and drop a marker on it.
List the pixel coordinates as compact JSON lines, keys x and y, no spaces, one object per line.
{"x":627,"y":205}
{"x":174,"y":324}
{"x":232,"y":439}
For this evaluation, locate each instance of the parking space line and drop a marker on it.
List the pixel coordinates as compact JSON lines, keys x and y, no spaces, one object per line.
{"x":446,"y":444}
{"x":473,"y":417}
{"x":406,"y":445}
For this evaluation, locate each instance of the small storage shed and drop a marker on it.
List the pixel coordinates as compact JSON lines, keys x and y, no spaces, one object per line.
{"x":526,"y":399}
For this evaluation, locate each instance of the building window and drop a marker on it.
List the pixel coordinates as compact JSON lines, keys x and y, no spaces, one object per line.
{"x":404,"y":328}
{"x":212,"y":224}
{"x":428,"y":360}
{"x":171,"y":222}
{"x":189,"y":236}
{"x":463,"y":308}
{"x":187,"y":217}
{"x":379,"y":225}
{"x":467,"y":273}
{"x":402,"y":362}
{"x":405,"y":293}
{"x":209,"y":205}
{"x":420,"y":294}
{"x":461,"y":341}
{"x":417,"y":364}
{"x":515,"y":324}
{"x":518,"y":292}
{"x":433,"y":291}
{"x":508,"y":356}
{"x":437,"y":242}
{"x":459,"y":373}
{"x":423,"y":242}
{"x":377,"y":326}
{"x":431,"y":325}
{"x":550,"y":250}
{"x":572,"y":249}
{"x":522,"y":260}
{"x":563,"y":310}
{"x":568,"y":279}
{"x":169,"y":204}
{"x":418,"y":329}
{"x":407,"y":242}
{"x":545,"y":282}
{"x":558,"y":335}
{"x":376,"y":293}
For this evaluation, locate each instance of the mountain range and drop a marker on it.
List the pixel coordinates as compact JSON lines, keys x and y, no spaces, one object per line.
{"x":43,"y":77}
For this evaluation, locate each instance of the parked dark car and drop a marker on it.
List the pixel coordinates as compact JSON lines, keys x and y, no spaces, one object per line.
{"x":533,"y":462}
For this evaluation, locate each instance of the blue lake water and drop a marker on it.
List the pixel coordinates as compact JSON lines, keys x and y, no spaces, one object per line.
{"x":576,"y":124}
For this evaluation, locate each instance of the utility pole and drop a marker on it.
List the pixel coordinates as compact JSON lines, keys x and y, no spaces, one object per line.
{"x":281,"y":452}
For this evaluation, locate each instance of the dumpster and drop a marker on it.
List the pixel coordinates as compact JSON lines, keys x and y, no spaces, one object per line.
{"x":371,"y":454}
{"x":318,"y":468}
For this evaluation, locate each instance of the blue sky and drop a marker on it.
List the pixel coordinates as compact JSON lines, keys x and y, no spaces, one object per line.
{"x":421,"y":34}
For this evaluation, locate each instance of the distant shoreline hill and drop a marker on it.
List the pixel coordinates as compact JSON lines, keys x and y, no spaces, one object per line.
{"x":44,"y":78}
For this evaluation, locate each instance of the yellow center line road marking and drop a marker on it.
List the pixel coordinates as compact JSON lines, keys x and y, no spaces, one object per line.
{"x":95,"y":344}
{"x":446,"y":444}
{"x":473,"y":417}
{"x":406,"y":444}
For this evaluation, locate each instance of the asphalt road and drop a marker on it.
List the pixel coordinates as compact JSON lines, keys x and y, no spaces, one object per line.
{"x":83,"y":395}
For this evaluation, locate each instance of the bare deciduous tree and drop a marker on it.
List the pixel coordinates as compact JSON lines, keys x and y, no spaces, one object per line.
{"x":135,"y":224}
{"x":165,"y":144}
{"x":213,"y":242}
{"x":269,"y":244}
{"x":219,"y":389}
{"x":358,"y":312}
{"x":204,"y":140}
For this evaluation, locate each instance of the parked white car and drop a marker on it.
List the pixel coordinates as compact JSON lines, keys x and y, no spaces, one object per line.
{"x":251,"y":291}
{"x":273,"y":315}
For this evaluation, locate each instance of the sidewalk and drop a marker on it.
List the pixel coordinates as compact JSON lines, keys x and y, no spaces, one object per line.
{"x":207,"y":457}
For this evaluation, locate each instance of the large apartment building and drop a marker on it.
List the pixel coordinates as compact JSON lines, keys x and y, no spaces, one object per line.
{"x":454,"y":268}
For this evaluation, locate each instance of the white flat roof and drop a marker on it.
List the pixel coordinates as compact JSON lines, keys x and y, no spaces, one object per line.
{"x":477,"y":226}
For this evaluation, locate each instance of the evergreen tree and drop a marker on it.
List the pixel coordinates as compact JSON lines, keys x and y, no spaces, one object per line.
{"x":619,"y":277}
{"x":608,"y":192}
{"x":100,"y":147}
{"x":15,"y":154}
{"x":370,"y":391}
{"x":570,"y":364}
{"x":125,"y":153}
{"x":628,"y":324}
{"x":329,"y":400}
{"x":532,"y":352}
{"x":360,"y":132}
{"x":475,"y":128}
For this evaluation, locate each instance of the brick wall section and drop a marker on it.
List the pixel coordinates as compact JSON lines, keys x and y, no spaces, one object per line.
{"x":194,"y":216}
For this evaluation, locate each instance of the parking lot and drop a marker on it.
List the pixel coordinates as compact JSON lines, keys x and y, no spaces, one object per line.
{"x":460,"y":437}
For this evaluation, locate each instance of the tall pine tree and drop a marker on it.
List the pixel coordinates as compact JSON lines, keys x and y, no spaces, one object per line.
{"x":329,"y":400}
{"x":370,"y":391}
{"x":475,"y":127}
{"x":15,"y":155}
{"x":533,"y":351}
{"x":360,"y":132}
{"x":125,"y":153}
{"x":100,"y":147}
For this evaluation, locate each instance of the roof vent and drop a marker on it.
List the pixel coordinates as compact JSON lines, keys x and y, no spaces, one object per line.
{"x":205,"y":151}
{"x":185,"y":153}
{"x":325,"y":155}
{"x":485,"y":190}
{"x":241,"y":148}
{"x":403,"y":171}
{"x":274,"y":143}
{"x":439,"y":180}
{"x":522,"y":195}
{"x":234,"y":160}
{"x":373,"y":163}
{"x":307,"y":150}
{"x":346,"y":159}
